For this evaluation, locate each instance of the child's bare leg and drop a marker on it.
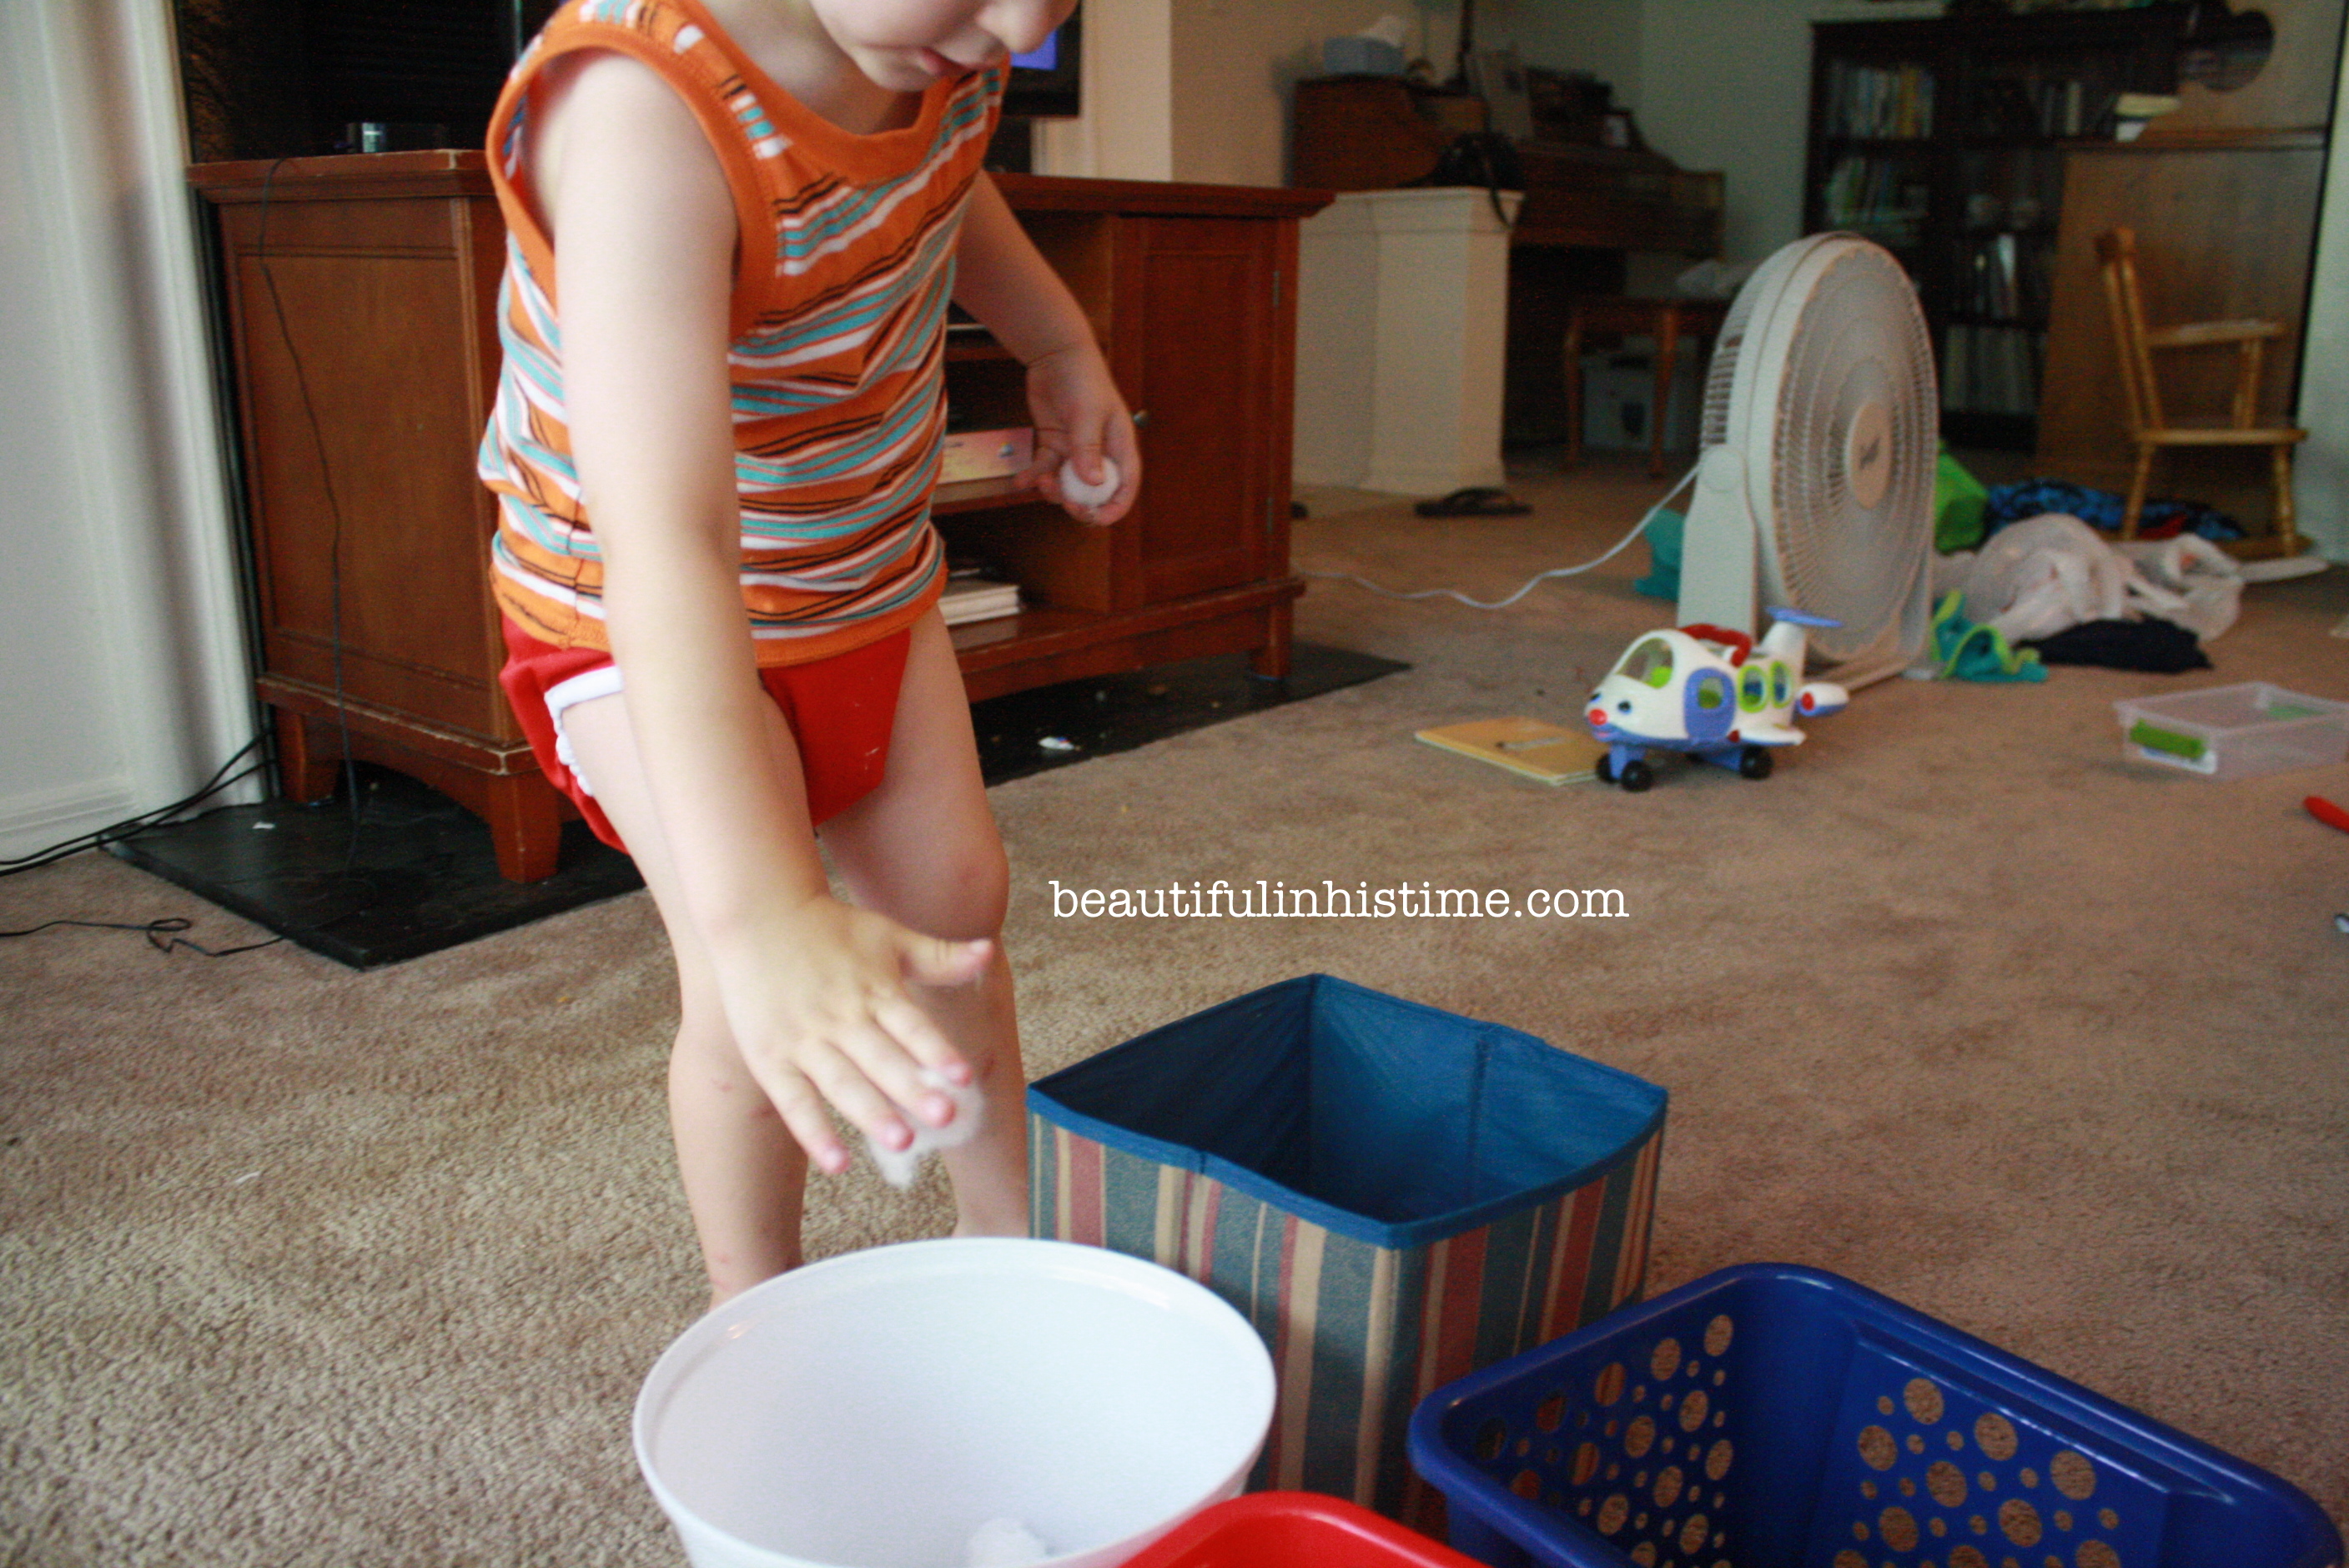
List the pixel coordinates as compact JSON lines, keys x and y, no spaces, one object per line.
{"x":923,"y":850}
{"x":745,"y":1176}
{"x":991,"y":1171}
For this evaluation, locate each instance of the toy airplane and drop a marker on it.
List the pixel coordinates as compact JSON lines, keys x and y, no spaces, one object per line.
{"x":1710,"y":693}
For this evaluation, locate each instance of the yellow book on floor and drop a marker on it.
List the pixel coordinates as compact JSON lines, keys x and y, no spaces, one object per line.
{"x":1526,"y":746}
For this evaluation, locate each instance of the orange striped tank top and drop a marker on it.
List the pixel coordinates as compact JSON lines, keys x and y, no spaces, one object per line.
{"x":844,"y":263}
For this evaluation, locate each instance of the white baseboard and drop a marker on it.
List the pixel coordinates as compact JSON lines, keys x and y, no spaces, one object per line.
{"x":36,"y":819}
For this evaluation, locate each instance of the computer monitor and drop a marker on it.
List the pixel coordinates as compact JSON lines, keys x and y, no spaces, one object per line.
{"x":1045,"y":82}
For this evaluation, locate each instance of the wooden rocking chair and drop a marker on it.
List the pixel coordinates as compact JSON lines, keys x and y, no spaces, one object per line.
{"x":2152,"y":429}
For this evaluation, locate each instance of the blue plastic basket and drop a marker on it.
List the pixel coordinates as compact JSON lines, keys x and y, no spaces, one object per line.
{"x":1771,"y":1417}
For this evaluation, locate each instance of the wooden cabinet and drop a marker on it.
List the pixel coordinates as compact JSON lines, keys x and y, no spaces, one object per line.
{"x":1193,"y":291}
{"x":358,"y":295}
{"x":358,"y":298}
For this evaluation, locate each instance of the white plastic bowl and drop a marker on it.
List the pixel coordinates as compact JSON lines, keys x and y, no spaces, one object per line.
{"x":873,"y":1410}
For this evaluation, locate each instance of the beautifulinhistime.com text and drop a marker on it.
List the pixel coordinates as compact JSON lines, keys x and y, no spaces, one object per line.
{"x":1267,"y":900}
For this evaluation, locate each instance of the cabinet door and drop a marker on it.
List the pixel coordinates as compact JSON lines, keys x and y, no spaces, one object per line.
{"x":366,"y":348}
{"x":1198,"y":357}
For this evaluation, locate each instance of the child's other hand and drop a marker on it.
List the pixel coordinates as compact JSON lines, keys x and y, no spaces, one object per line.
{"x":1080,"y":418}
{"x":823,"y":1012}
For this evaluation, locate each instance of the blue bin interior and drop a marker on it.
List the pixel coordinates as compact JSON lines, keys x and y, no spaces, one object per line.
{"x":1768,"y":1416}
{"x":1375,"y":1112}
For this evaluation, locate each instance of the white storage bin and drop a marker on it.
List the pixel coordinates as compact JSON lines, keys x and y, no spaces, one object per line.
{"x":939,"y":1402}
{"x":2235,"y":732}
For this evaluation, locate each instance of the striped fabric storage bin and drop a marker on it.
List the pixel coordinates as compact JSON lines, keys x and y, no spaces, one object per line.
{"x":1394,"y":1195}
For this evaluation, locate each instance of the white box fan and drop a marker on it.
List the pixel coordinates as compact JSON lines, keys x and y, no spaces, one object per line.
{"x":1814,"y":488}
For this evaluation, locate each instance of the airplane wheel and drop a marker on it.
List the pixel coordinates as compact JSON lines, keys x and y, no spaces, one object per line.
{"x":1754,"y":762}
{"x":1605,"y":770}
{"x":1637,"y":776}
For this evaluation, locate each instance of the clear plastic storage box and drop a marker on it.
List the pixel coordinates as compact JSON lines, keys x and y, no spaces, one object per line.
{"x":2235,"y":732}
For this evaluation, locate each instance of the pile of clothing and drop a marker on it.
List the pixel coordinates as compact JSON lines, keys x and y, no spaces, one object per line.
{"x":2053,"y":584}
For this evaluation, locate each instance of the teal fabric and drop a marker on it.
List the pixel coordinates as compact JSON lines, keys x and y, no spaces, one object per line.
{"x":1971,"y":652}
{"x":1663,"y":578}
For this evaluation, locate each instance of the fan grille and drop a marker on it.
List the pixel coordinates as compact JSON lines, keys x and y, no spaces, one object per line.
{"x":1857,"y":392}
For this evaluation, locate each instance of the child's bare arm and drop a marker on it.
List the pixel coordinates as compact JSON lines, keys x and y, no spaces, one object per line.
{"x":1002,"y":280}
{"x":814,"y":991}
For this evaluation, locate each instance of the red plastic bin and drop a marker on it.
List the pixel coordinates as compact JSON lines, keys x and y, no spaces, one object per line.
{"x":1294,"y":1530}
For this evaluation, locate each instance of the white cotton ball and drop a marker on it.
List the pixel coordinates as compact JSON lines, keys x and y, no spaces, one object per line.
{"x":899,"y":1167}
{"x":1083,"y":494}
{"x":1005,"y":1543}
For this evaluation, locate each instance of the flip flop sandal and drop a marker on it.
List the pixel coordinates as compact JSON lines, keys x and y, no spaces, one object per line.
{"x":1477,"y":500}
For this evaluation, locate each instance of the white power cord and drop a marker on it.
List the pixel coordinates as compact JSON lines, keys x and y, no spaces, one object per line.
{"x":1617,"y":549}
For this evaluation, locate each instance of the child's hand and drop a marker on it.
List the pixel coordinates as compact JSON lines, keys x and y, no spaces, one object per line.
{"x":822,"y":1012}
{"x":1081,"y":418}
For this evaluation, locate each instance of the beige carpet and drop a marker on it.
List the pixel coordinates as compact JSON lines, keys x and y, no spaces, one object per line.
{"x":299,"y":1266}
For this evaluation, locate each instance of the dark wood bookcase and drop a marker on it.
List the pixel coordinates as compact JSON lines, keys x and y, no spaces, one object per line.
{"x":358,"y":329}
{"x":1943,"y":140}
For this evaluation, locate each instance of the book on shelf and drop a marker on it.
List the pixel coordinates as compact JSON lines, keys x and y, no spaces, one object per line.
{"x":1878,"y":101}
{"x":1877,"y":197}
{"x":973,"y":596}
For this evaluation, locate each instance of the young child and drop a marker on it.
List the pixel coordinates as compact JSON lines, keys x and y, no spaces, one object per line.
{"x":736,"y":224}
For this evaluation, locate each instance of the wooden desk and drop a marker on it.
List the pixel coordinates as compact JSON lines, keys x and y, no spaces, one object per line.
{"x":1668,"y":321}
{"x":360,"y":300}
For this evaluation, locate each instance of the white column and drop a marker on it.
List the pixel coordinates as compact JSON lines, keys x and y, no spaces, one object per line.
{"x":1337,"y":343}
{"x":1402,"y":327}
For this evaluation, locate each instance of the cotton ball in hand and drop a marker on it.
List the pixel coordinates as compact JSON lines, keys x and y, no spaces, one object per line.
{"x":1082,"y":494}
{"x":899,"y":1167}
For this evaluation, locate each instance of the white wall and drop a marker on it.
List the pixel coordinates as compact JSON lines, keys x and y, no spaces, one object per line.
{"x":124,"y":678}
{"x":1127,"y":130}
{"x":1198,"y":90}
{"x":2321,"y":472}
{"x":1725,"y":84}
{"x":1599,"y":36}
{"x":1713,"y":84}
{"x":1237,"y":61}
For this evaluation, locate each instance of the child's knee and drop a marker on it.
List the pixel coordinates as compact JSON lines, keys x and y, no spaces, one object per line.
{"x":971,"y":894}
{"x":959,"y":894}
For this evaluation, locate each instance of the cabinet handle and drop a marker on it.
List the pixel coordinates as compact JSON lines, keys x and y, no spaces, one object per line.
{"x":1141,"y":417}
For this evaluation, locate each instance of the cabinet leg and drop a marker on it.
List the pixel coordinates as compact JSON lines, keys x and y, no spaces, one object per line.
{"x":306,"y":772}
{"x":525,"y":818}
{"x":1271,"y":660}
{"x":1573,"y":368}
{"x":1667,"y":348}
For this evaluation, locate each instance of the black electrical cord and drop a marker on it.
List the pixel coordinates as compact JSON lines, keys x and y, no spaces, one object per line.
{"x":100,"y":838}
{"x":163,"y":936}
